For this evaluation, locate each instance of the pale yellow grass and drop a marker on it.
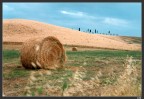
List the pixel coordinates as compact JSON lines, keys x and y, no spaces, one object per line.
{"x":126,"y":84}
{"x":19,"y":30}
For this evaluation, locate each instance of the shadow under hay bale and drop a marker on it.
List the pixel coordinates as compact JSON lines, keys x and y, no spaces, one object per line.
{"x":74,"y":49}
{"x":47,"y":53}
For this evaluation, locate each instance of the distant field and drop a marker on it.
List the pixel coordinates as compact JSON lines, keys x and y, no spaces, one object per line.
{"x":86,"y":73}
{"x":16,"y":31}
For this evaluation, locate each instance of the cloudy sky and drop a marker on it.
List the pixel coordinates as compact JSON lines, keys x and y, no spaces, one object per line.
{"x":119,"y":18}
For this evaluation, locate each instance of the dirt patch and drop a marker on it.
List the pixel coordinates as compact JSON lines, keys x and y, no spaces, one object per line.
{"x":14,"y":87}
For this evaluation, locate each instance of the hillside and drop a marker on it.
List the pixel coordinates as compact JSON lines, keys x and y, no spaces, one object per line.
{"x":20,"y":30}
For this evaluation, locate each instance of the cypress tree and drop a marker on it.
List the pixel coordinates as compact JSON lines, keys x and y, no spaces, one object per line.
{"x":79,"y":29}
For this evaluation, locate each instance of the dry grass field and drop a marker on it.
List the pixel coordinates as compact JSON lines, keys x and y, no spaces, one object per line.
{"x":101,"y":66}
{"x":18,"y":30}
{"x":87,"y":72}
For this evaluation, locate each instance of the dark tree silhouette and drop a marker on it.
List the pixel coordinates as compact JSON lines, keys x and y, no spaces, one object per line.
{"x":79,"y":29}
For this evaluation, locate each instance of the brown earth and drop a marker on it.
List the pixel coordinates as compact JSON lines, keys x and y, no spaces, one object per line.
{"x":19,"y":30}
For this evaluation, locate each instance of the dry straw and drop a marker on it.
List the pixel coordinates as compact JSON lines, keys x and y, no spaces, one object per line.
{"x":46,"y":53}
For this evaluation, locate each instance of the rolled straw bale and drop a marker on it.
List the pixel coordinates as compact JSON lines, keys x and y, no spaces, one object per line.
{"x":74,"y":49}
{"x":46,"y":53}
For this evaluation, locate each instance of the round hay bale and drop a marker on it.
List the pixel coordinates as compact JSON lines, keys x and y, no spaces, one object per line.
{"x":74,"y":49}
{"x":47,"y":53}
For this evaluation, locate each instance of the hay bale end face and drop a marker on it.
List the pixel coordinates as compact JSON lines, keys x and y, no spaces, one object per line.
{"x":74,"y":49}
{"x":47,"y":53}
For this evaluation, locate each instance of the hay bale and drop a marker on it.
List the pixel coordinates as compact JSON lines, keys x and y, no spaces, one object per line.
{"x":74,"y":49}
{"x":47,"y":53}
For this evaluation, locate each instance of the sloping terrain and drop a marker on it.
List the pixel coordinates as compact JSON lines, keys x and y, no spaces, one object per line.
{"x":19,"y":30}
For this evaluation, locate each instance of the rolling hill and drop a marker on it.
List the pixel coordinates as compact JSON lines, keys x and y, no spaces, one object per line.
{"x":20,"y":30}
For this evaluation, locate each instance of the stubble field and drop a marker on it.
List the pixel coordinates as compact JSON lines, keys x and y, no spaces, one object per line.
{"x":87,"y":72}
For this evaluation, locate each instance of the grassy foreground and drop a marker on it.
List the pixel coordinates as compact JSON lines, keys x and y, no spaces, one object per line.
{"x":86,"y":73}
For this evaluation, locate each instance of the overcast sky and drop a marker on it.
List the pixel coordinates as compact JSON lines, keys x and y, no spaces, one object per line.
{"x":119,"y":18}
